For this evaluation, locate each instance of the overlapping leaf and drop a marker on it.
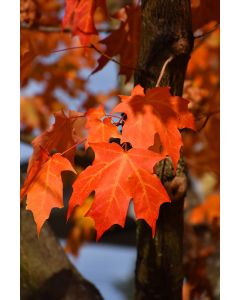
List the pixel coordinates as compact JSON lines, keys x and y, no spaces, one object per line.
{"x":44,"y":191}
{"x":79,"y":14}
{"x":111,"y":177}
{"x":66,"y":132}
{"x":124,"y":42}
{"x":206,"y":212}
{"x":153,"y":116}
{"x":100,"y":128}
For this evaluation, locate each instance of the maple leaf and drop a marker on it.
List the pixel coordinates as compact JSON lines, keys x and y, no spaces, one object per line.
{"x":28,"y":51}
{"x":111,"y":177}
{"x":146,"y":190}
{"x":124,"y":42}
{"x":33,"y":171}
{"x":206,"y":212}
{"x":34,"y":113}
{"x":93,"y":115}
{"x":99,"y":129}
{"x":79,"y":14}
{"x":63,"y":134}
{"x":44,"y":192}
{"x":155,"y":113}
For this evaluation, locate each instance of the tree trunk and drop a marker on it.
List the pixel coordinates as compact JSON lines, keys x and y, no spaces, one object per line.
{"x":46,"y":272}
{"x":166,"y":32}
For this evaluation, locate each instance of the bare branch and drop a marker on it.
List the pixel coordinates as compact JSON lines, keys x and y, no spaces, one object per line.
{"x":163,"y":70}
{"x":205,"y":34}
{"x":56,"y":29}
{"x":207,"y":119}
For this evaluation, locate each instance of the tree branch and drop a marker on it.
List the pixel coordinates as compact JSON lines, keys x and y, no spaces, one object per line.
{"x":46,"y":272}
{"x":56,"y":29}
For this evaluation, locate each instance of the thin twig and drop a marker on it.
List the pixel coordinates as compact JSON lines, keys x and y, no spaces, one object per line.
{"x":91,"y":46}
{"x":71,"y":48}
{"x":202,"y":37}
{"x":205,"y":34}
{"x":206,"y":120}
{"x":112,"y":116}
{"x":57,"y":29}
{"x":163,"y":70}
{"x":76,"y":117}
{"x":112,"y":59}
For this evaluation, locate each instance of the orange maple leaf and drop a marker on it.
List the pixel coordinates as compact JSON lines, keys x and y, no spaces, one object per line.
{"x":45,"y":190}
{"x":33,"y":171}
{"x":125,"y":42}
{"x":155,"y":113}
{"x":63,"y":134}
{"x":207,"y":211}
{"x":93,"y":115}
{"x":116,"y":176}
{"x":79,"y":14}
{"x":100,"y":128}
{"x":28,"y":51}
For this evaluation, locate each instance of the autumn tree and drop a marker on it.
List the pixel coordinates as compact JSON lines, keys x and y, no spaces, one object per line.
{"x":139,"y":149}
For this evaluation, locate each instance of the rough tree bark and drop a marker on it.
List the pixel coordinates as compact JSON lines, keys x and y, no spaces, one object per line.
{"x":46,"y":272}
{"x":165,"y":32}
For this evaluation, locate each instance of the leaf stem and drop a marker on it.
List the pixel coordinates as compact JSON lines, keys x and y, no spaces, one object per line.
{"x":76,"y":117}
{"x":72,"y":147}
{"x":111,"y":59}
{"x":112,"y":116}
{"x":71,"y":48}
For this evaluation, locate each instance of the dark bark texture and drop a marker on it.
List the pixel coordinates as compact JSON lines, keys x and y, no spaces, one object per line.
{"x":46,"y":272}
{"x":165,"y":32}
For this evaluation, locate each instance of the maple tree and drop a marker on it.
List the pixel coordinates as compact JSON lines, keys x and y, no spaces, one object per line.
{"x":152,"y":127}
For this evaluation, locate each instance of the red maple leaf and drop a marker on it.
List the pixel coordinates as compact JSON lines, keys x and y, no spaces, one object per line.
{"x":124,"y":42}
{"x":116,"y":176}
{"x":79,"y":15}
{"x":153,"y":116}
{"x":66,"y":132}
{"x":45,"y":190}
